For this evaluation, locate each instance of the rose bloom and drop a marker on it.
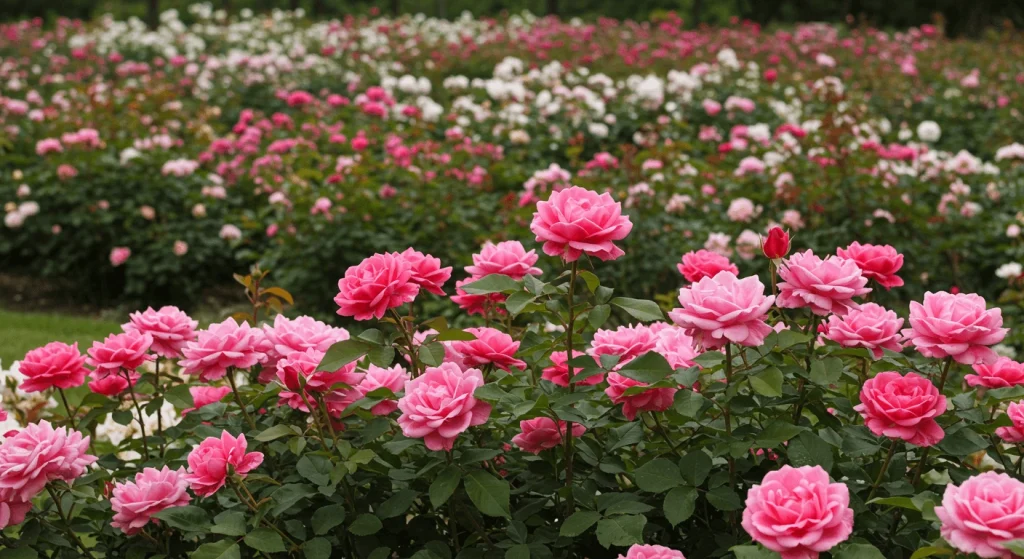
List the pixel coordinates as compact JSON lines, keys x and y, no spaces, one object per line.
{"x":39,"y":454}
{"x":957,"y":326}
{"x":871,"y":327}
{"x":439,"y":405}
{"x":111,"y":383}
{"x":295,"y":334}
{"x":119,"y":255}
{"x":558,"y":372}
{"x":12,"y":512}
{"x":542,"y":433}
{"x":704,"y":264}
{"x":392,"y":378}
{"x":982,"y":513}
{"x":1015,"y":432}
{"x":628,"y":342}
{"x":902,"y":407}
{"x":638,"y":551}
{"x":675,"y":346}
{"x":205,"y":395}
{"x":724,"y":309}
{"x":576,"y":221}
{"x":825,"y":286}
{"x":652,"y":400}
{"x":1002,"y":373}
{"x":798,"y":512}
{"x":55,"y":365}
{"x":222,"y":346}
{"x":301,"y":380}
{"x":208,"y":463}
{"x":135,"y":502}
{"x":378,"y":283}
{"x":169,"y":327}
{"x":491,"y":347}
{"x":120,"y":353}
{"x":472,"y":303}
{"x":427,"y":271}
{"x":877,"y":262}
{"x":507,"y":257}
{"x":776,"y":245}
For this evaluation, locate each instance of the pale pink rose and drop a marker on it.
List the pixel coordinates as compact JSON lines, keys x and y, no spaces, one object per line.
{"x":119,"y":255}
{"x":1013,"y":433}
{"x":982,"y":513}
{"x":676,"y":346}
{"x":222,"y":346}
{"x":205,"y":395}
{"x":507,"y":257}
{"x":558,"y":372}
{"x":543,"y":433}
{"x":48,"y":145}
{"x":798,"y":512}
{"x":724,"y":309}
{"x":902,"y":407}
{"x":711,"y":107}
{"x":208,"y":463}
{"x":439,"y":405}
{"x":180,"y":248}
{"x":871,"y":327}
{"x":1002,"y":373}
{"x":297,"y":372}
{"x":877,"y":262}
{"x":169,"y":327}
{"x":230,"y":232}
{"x":135,"y":502}
{"x":392,"y":378}
{"x":742,"y":209}
{"x":577,"y":221}
{"x":378,"y":283}
{"x":825,"y":286}
{"x":652,"y":400}
{"x":638,"y":551}
{"x":957,"y":326}
{"x":295,"y":334}
{"x":37,"y":455}
{"x":427,"y":271}
{"x":628,"y":342}
{"x":491,"y":347}
{"x":55,"y":365}
{"x":12,"y":512}
{"x":119,"y":353}
{"x":697,"y":265}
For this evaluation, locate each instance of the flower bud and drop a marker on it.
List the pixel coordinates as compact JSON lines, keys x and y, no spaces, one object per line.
{"x":776,"y":246}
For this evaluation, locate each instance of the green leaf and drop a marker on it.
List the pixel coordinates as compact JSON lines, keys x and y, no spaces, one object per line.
{"x":397,"y":504}
{"x":454,"y":335}
{"x":827,"y":371}
{"x":317,"y":548}
{"x":753,"y":552}
{"x":381,"y":356}
{"x":599,"y":315}
{"x":724,"y":499}
{"x":857,"y":551}
{"x":578,"y":523}
{"x":591,"y":280}
{"x":768,"y":382}
{"x":488,"y":493}
{"x":518,"y":301}
{"x":316,"y":469}
{"x":276,"y":432}
{"x":639,"y":309}
{"x":808,"y":449}
{"x":789,"y":338}
{"x":901,"y":502}
{"x":431,"y":354}
{"x":657,"y":476}
{"x":648,"y":368}
{"x":265,"y":540}
{"x":932,"y":551}
{"x":342,"y":353}
{"x":287,"y":495}
{"x":19,"y":553}
{"x":776,"y":432}
{"x":188,"y":518}
{"x":444,"y":485}
{"x":365,"y":525}
{"x":180,"y":396}
{"x":224,"y":549}
{"x":962,"y":443}
{"x":695,"y":467}
{"x":229,"y":523}
{"x":621,"y":530}
{"x":680,"y":504}
{"x":327,"y":517}
{"x":520,"y":551}
{"x":493,"y":283}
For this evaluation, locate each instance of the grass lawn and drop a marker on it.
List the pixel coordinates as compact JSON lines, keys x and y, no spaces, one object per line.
{"x":21,"y":332}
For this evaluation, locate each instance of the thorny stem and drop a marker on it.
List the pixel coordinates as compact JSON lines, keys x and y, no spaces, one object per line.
{"x":881,"y":473}
{"x":67,"y":407}
{"x":250,"y":502}
{"x":138,"y":410}
{"x":569,"y":330}
{"x":413,"y":361}
{"x":159,"y":416}
{"x":664,"y":435}
{"x":67,"y":521}
{"x":924,"y":455}
{"x":238,"y":398}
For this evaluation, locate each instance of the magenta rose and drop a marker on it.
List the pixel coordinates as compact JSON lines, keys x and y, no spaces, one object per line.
{"x":299,"y":334}
{"x":1003,"y":372}
{"x":576,"y":221}
{"x":169,"y":327}
{"x":705,"y":264}
{"x":1014,"y":433}
{"x":652,"y":399}
{"x":543,"y":433}
{"x":427,"y":271}
{"x":902,"y":407}
{"x":871,"y":327}
{"x":825,"y":286}
{"x":982,"y":513}
{"x":638,"y":551}
{"x":439,"y":405}
{"x":302,"y":382}
{"x":222,"y":346}
{"x":877,"y":262}
{"x":507,"y":258}
{"x":55,"y":365}
{"x":378,"y":283}
{"x":558,"y":372}
{"x":798,"y":512}
{"x":392,"y":378}
{"x":491,"y":347}
{"x":724,"y":309}
{"x":120,"y":352}
{"x":210,"y":463}
{"x":957,"y":326}
{"x":135,"y":502}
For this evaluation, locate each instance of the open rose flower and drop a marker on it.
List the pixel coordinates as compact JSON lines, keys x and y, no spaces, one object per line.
{"x":543,"y":433}
{"x":392,"y":378}
{"x":135,"y":502}
{"x":638,"y":551}
{"x":427,"y":271}
{"x":723,"y":309}
{"x":222,"y":346}
{"x":958,"y":326}
{"x":902,"y":407}
{"x":652,"y":399}
{"x":491,"y":347}
{"x":825,"y":286}
{"x":877,"y":262}
{"x":982,"y":513}
{"x":627,"y":342}
{"x":120,"y":353}
{"x":378,"y":283}
{"x":169,"y":327}
{"x":55,"y":365}
{"x":705,"y":264}
{"x":558,"y":372}
{"x":210,"y":463}
{"x":798,"y":512}
{"x":1014,"y":433}
{"x":576,"y":221}
{"x":1002,"y":373}
{"x":473,"y":303}
{"x":203,"y":396}
{"x":871,"y":327}
{"x":37,"y":455}
{"x":507,"y":258}
{"x":287,"y":335}
{"x":439,"y":405}
{"x":302,"y":382}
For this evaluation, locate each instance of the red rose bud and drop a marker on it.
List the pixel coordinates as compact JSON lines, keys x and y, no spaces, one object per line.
{"x":777,"y":244}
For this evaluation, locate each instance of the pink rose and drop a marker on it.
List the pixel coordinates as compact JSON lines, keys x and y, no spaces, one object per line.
{"x":628,"y":342}
{"x":1015,"y":432}
{"x":508,"y":258}
{"x":957,"y":326}
{"x":208,"y":463}
{"x":902,"y":407}
{"x":542,"y":433}
{"x":427,"y":271}
{"x":439,"y":405}
{"x":299,"y":376}
{"x":111,"y":383}
{"x":723,"y":309}
{"x":877,"y":262}
{"x":798,"y":512}
{"x":577,"y":221}
{"x":12,"y":512}
{"x":55,"y":365}
{"x":477,"y":304}
{"x":652,"y":400}
{"x":222,"y":346}
{"x":825,"y":286}
{"x":120,"y":353}
{"x":984,"y":512}
{"x":37,"y":455}
{"x":1002,"y":373}
{"x":135,"y":502}
{"x":675,"y":346}
{"x":205,"y":395}
{"x":491,"y":347}
{"x":378,"y":283}
{"x":871,"y":327}
{"x":392,"y":378}
{"x":705,"y":264}
{"x":638,"y":551}
{"x":170,"y":328}
{"x":298,"y":334}
{"x":119,"y":255}
{"x":558,"y":372}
